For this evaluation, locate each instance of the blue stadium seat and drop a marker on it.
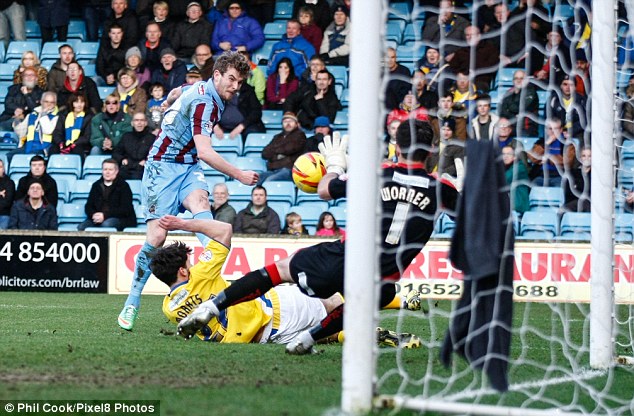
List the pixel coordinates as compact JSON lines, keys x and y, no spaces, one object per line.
{"x":399,"y":11}
{"x":542,"y":96}
{"x":81,"y":190}
{"x":341,"y":120}
{"x":4,"y":90}
{"x":238,"y":191}
{"x":623,"y":228}
{"x":20,"y":164}
{"x":86,"y":50}
{"x":281,"y":208}
{"x":394,"y":30}
{"x":345,"y":97}
{"x":255,"y":163}
{"x":283,"y":10}
{"x":280,"y":191}
{"x":563,"y":12}
{"x":8,"y":140}
{"x":413,"y":32}
{"x":65,"y":165}
{"x":410,"y":52}
{"x":136,"y":188}
{"x":18,"y":47}
{"x":227,"y":145}
{"x":625,"y":178}
{"x":50,"y":50}
{"x":539,"y":225}
{"x":140,"y":215}
{"x":263,"y":53}
{"x":32,"y":29}
{"x":340,"y":212}
{"x":627,"y":150}
{"x":255,"y":142}
{"x":272,"y":119}
{"x":239,"y":205}
{"x":63,"y":190}
{"x":504,"y":78}
{"x":90,"y":70}
{"x":309,"y":213}
{"x":109,"y":230}
{"x":2,"y":51}
{"x":274,"y":30}
{"x":340,"y":73}
{"x":546,"y":198}
{"x":575,"y":226}
{"x":77,"y":29}
{"x":70,"y":215}
{"x":305,"y":197}
{"x":6,"y":72}
{"x":105,"y":91}
{"x":92,"y":167}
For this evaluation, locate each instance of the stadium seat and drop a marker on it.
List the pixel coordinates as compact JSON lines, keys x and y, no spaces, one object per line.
{"x":280,"y":191}
{"x":575,"y":226}
{"x":92,"y":167}
{"x":504,"y":78}
{"x":412,"y":33}
{"x":283,"y":10}
{"x":239,"y":205}
{"x":71,"y":214}
{"x":340,"y":73}
{"x":20,"y":164}
{"x":81,"y":190}
{"x":139,"y":211}
{"x":65,"y":165}
{"x":136,"y":188}
{"x":255,"y":163}
{"x":627,"y":150}
{"x":142,"y":229}
{"x":108,"y":230}
{"x":227,"y":145}
{"x":86,"y":50}
{"x":238,"y":191}
{"x":625,"y":178}
{"x":304,"y":197}
{"x":4,"y":89}
{"x":399,"y":11}
{"x":90,"y":70}
{"x":410,"y":52}
{"x":255,"y":143}
{"x":18,"y":47}
{"x":274,"y":30}
{"x":6,"y":72}
{"x":212,"y":180}
{"x":272,"y":119}
{"x":105,"y":91}
{"x":77,"y":29}
{"x":32,"y":29}
{"x":340,"y":212}
{"x":394,"y":30}
{"x":546,"y":198}
{"x":542,"y":96}
{"x":541,"y":225}
{"x":261,"y":55}
{"x":345,"y":97}
{"x":8,"y":140}
{"x":281,"y":208}
{"x":63,"y":190}
{"x":309,"y":213}
{"x":623,"y":228}
{"x":50,"y":50}
{"x":341,"y":120}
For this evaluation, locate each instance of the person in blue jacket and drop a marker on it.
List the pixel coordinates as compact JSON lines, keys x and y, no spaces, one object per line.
{"x":292,"y":46}
{"x":236,"y":31}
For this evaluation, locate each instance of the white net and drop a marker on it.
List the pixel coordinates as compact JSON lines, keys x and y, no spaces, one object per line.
{"x":549,"y":369}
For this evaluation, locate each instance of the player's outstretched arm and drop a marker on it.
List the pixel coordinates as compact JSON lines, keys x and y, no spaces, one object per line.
{"x":213,"y":159}
{"x":216,"y":230}
{"x":334,"y":151}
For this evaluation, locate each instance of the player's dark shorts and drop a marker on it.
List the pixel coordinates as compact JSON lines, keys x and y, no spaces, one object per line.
{"x":318,"y":269}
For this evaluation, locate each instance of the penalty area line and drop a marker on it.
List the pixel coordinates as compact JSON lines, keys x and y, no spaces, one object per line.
{"x":583,"y":375}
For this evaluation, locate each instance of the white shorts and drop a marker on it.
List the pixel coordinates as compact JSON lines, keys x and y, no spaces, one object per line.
{"x":297,"y":312}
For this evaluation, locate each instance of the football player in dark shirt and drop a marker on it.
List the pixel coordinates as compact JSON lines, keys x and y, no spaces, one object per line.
{"x":409,"y":198}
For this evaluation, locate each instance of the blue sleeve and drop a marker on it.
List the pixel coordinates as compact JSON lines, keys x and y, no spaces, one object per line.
{"x":257,"y":35}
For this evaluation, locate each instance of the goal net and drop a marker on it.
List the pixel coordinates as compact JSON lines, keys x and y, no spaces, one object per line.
{"x":572,"y":325}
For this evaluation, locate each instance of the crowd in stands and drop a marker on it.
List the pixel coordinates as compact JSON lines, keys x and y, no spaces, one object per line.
{"x":517,"y":73}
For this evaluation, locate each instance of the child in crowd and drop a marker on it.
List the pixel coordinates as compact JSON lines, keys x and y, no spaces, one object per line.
{"x":327,"y":226}
{"x":155,"y":108}
{"x":309,"y":29}
{"x":294,"y":225}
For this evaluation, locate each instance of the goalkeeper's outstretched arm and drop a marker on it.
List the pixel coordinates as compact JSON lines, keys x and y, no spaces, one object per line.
{"x":332,"y":185}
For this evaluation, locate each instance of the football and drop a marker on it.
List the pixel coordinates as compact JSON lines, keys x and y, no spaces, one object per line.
{"x":308,"y":171}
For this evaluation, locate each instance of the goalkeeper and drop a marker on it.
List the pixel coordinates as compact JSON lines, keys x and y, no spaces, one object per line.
{"x":409,"y":204}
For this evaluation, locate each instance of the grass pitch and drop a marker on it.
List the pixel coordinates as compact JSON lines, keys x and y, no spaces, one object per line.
{"x":69,"y":347}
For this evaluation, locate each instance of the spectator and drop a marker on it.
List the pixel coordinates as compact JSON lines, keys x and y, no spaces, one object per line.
{"x":294,"y":225}
{"x":322,"y":128}
{"x":399,"y":80}
{"x":132,"y":150}
{"x":160,"y":11}
{"x":577,"y":184}
{"x":450,"y":153}
{"x":314,"y":101}
{"x":172,"y":71}
{"x":132,"y":97}
{"x":293,"y":46}
{"x":534,"y":19}
{"x":107,"y":128}
{"x":57,"y":74}
{"x":567,"y":105}
{"x":109,"y":202}
{"x":262,"y":10}
{"x":483,"y":125}
{"x":36,"y":131}
{"x":257,"y":217}
{"x":521,"y":104}
{"x":430,"y":66}
{"x":111,"y":55}
{"x":34,"y":211}
{"x":134,"y":62}
{"x":281,"y":152}
{"x":547,"y":156}
{"x":464,"y":94}
{"x":389,"y":155}
{"x":517,"y":178}
{"x":509,"y":37}
{"x":53,"y":16}
{"x":155,"y":108}
{"x":78,"y":84}
{"x":409,"y":108}
{"x":321,"y":11}
{"x":152,"y":46}
{"x":280,"y":84}
{"x":193,"y":76}
{"x":12,"y":13}
{"x":445,"y":111}
{"x":95,"y":13}
{"x":192,"y":32}
{"x":242,"y":115}
{"x":7,"y":191}
{"x":556,"y":59}
{"x":21,"y":100}
{"x":126,"y":19}
{"x":220,"y":208}
{"x":335,"y":46}
{"x":37,"y":173}
{"x":327,"y":226}
{"x":310,"y":31}
{"x":582,"y":73}
{"x":256,"y":79}
{"x":72,"y":131}
{"x":451,"y":25}
{"x":201,"y":55}
{"x":309,"y":75}
{"x":30,"y":60}
{"x":486,"y":59}
{"x":236,"y":31}
{"x":425,"y":96}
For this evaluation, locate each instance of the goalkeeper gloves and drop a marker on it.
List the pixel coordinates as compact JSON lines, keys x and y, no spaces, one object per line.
{"x":334,"y":151}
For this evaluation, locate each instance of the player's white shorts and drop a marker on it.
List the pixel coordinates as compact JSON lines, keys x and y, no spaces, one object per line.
{"x":297,"y":312}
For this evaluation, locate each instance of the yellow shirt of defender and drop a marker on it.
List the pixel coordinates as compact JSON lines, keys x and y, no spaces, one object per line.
{"x":237,"y":324}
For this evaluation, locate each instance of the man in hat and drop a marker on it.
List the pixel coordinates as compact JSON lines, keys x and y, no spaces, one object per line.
{"x":281,"y":152}
{"x":191,"y":32}
{"x":322,"y":128}
{"x":236,"y":31}
{"x":111,"y":55}
{"x":172,"y":71}
{"x":335,"y":46}
{"x":449,"y":156}
{"x":193,"y":76}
